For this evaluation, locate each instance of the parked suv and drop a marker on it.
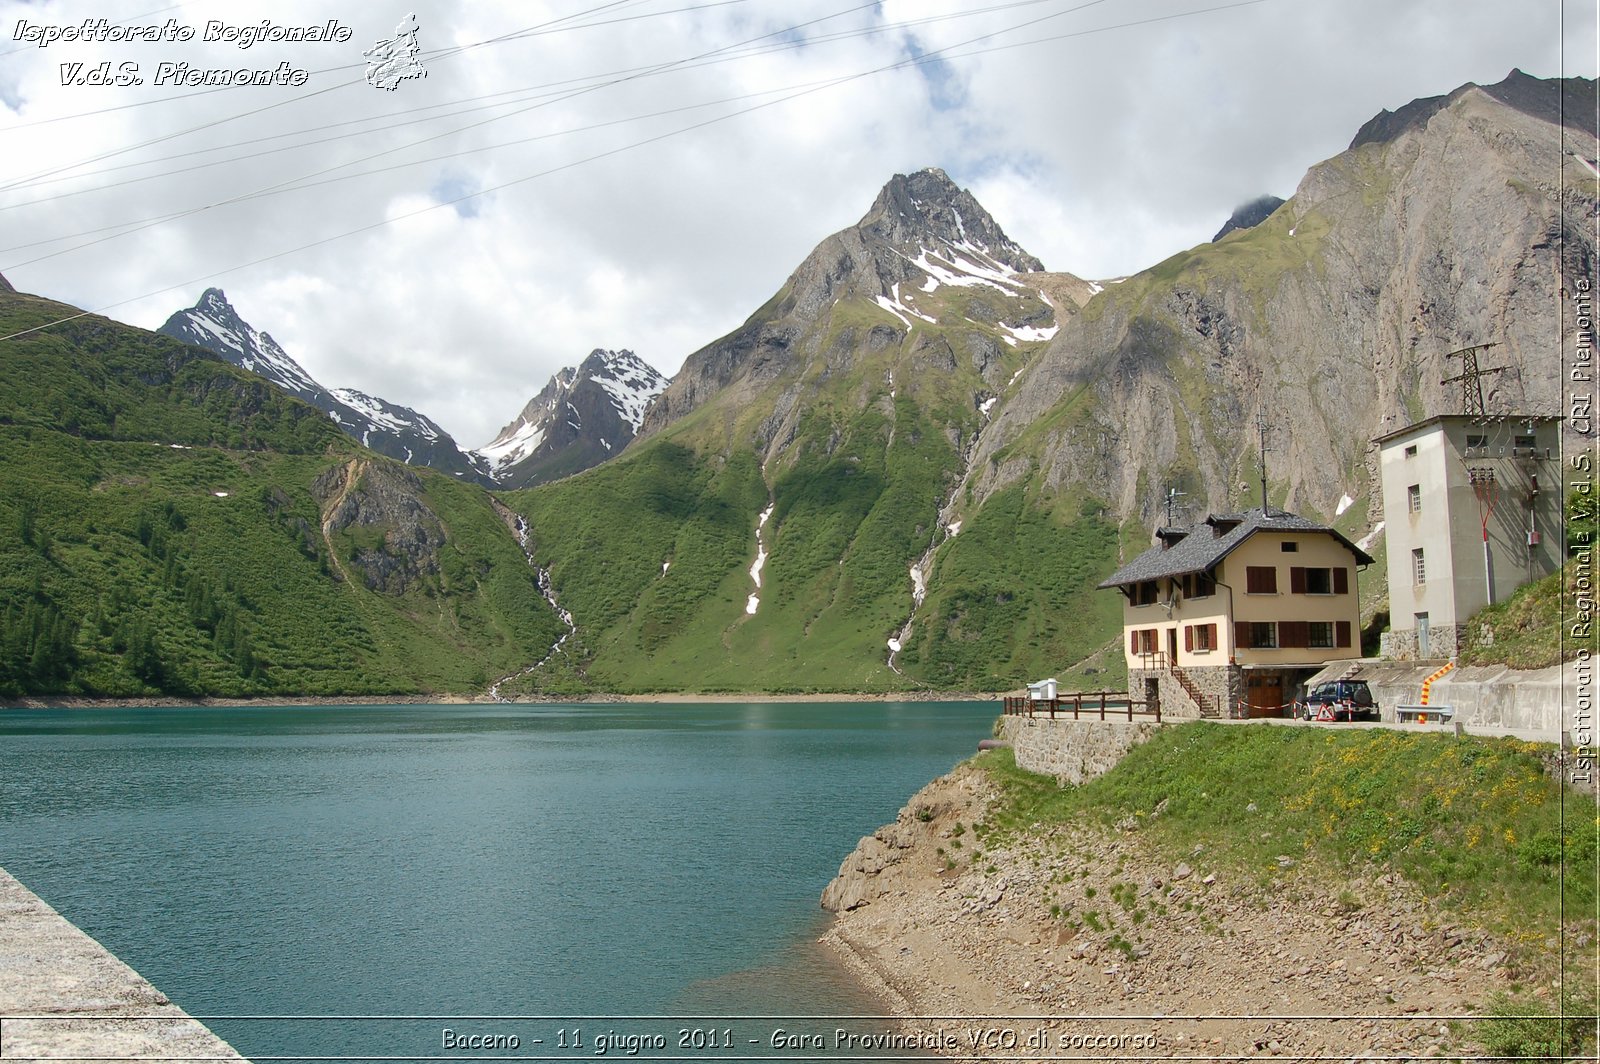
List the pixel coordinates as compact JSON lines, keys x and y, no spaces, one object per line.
{"x":1342,"y":700}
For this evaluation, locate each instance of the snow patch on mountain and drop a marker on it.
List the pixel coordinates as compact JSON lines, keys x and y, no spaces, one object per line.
{"x":632,"y":383}
{"x":507,"y":450}
{"x":386,"y":415}
{"x":1028,"y":333}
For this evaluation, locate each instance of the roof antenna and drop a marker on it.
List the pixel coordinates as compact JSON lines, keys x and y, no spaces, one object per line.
{"x":1173,"y":494}
{"x":1261,"y":431}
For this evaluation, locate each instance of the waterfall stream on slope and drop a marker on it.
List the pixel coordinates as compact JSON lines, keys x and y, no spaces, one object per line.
{"x":547,"y":589}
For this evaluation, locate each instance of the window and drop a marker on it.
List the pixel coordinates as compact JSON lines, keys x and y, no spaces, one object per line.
{"x":1414,"y":498}
{"x":1419,"y":568}
{"x":1199,"y":638}
{"x":1320,"y":634}
{"x":1411,"y":452}
{"x":1142,"y":641}
{"x":1288,"y":546}
{"x":1315,"y":580}
{"x":1261,"y":580}
{"x":1474,"y":440}
{"x":1198,"y":585}
{"x":1261,"y":635}
{"x":1145,"y":593}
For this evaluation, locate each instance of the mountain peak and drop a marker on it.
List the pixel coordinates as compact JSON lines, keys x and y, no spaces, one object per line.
{"x":584,"y":415}
{"x":927,"y":206}
{"x":1249,"y":215}
{"x":213,"y":303}
{"x":5,"y":285}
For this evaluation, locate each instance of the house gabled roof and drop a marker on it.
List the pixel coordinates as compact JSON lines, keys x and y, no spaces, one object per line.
{"x":1213,"y":540}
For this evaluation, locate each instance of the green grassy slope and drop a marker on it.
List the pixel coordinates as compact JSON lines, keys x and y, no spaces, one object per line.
{"x":1477,"y":824}
{"x":165,"y":535}
{"x":1013,"y":598}
{"x":1534,"y":628}
{"x":875,"y":447}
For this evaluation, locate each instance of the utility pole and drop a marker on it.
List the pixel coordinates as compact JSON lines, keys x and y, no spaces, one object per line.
{"x":1471,"y":376}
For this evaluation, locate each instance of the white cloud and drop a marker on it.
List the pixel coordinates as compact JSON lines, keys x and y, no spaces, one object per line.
{"x":1101,"y":154}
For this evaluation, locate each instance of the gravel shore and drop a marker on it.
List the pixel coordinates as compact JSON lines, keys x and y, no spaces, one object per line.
{"x":1170,"y":957}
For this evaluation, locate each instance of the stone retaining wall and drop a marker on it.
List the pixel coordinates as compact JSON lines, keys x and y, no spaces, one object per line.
{"x":64,"y":996}
{"x":1537,"y":703}
{"x":1073,"y":751}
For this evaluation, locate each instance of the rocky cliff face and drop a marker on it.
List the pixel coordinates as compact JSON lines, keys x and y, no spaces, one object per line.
{"x":375,"y":520}
{"x":5,"y":285}
{"x":397,"y":431}
{"x":586,"y":414}
{"x":1441,"y":227}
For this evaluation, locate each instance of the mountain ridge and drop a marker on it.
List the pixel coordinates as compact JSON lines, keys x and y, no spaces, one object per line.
{"x":397,"y":431}
{"x":908,"y":468}
{"x":185,"y":527}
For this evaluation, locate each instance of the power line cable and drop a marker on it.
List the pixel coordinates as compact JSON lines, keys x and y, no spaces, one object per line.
{"x":926,"y":57}
{"x":268,"y":107}
{"x":427,"y":56}
{"x":766,"y":49}
{"x":296,"y":181}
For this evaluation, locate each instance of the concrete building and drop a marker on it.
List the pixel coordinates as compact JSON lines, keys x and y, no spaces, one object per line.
{"x":1471,"y":511}
{"x":1230,"y":618}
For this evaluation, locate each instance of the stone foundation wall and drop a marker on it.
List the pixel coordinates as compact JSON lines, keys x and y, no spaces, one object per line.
{"x":1222,"y":686}
{"x":1444,"y":642}
{"x":1073,"y":751}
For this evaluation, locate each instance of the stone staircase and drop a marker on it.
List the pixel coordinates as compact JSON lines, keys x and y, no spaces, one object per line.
{"x":1201,"y":702}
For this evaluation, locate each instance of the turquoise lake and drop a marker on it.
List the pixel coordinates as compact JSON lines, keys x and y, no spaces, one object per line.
{"x":578,"y":863}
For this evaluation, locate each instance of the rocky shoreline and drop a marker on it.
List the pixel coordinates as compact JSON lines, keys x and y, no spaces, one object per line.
{"x":1092,"y":922}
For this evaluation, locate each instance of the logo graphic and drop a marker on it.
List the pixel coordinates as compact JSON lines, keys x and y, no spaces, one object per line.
{"x":392,"y":61}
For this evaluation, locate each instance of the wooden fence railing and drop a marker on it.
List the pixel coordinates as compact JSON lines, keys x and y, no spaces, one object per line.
{"x":1118,"y":704}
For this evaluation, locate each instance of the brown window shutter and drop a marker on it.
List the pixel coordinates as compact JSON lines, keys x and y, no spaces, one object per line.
{"x":1261,"y":579}
{"x":1133,"y":641}
{"x":1297,"y":579}
{"x":1341,"y":581}
{"x":1241,"y":633}
{"x":1212,"y":631}
{"x":1341,"y":633}
{"x":1188,"y":638}
{"x":1292,"y":633}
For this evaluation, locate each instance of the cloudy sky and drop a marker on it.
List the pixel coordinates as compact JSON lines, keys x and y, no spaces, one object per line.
{"x":574,"y":174}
